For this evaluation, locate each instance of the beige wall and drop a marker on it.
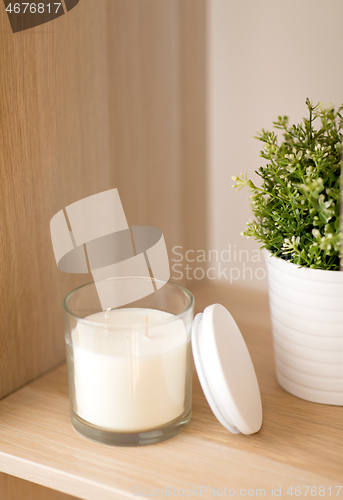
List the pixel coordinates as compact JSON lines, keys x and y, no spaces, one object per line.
{"x":264,"y":58}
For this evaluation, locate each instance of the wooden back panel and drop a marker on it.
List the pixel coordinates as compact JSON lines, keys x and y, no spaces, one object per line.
{"x":102,"y":97}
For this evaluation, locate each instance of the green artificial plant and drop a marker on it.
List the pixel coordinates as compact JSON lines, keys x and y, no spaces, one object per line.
{"x":296,"y":208}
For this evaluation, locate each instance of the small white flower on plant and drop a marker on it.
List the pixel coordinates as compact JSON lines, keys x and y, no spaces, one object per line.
{"x":299,"y":189}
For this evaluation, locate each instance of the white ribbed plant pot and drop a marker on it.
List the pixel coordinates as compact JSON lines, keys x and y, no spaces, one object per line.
{"x":307,"y":318}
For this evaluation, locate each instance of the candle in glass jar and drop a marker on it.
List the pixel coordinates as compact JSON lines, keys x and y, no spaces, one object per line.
{"x":129,"y":372}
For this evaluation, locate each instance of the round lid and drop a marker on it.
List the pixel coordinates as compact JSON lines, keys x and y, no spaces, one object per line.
{"x":225,"y":371}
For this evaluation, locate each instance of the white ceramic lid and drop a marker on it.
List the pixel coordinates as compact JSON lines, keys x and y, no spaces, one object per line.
{"x":225,"y":370}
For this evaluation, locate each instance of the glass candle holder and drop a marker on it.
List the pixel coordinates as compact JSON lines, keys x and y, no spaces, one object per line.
{"x":130,"y":368}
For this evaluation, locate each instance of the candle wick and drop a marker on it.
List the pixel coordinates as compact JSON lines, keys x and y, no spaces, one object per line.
{"x":146,"y":326}
{"x":107,"y":314}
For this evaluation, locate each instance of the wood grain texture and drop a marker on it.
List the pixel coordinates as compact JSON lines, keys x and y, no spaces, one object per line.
{"x":13,"y":488}
{"x":158,"y":120}
{"x":143,"y":41}
{"x":53,"y":96}
{"x":193,"y":64}
{"x":300,"y":443}
{"x":88,"y":102}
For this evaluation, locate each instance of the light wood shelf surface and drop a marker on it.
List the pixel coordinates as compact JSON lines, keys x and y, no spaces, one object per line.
{"x":299,"y":444}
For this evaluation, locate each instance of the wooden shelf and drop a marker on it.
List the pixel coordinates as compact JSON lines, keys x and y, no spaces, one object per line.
{"x":299,"y":444}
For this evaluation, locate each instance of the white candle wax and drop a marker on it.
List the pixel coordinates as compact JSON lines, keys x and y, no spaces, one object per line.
{"x":130,"y":380}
